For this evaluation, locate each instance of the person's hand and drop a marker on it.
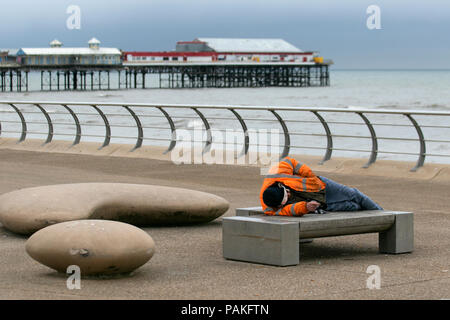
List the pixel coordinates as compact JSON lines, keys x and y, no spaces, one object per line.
{"x":312,"y":206}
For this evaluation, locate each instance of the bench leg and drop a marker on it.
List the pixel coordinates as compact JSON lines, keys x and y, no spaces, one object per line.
{"x":400,"y":237}
{"x":261,"y":242}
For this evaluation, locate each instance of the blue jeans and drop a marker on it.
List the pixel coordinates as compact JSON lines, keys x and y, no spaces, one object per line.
{"x":342,"y":198}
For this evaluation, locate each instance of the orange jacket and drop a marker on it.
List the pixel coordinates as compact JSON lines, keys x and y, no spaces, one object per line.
{"x":296,"y":176}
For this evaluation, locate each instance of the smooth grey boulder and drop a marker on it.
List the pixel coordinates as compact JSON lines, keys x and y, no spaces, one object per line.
{"x":97,"y":247}
{"x":27,"y":210}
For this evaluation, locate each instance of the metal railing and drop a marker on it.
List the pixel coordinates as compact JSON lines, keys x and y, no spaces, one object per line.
{"x":327,"y":119}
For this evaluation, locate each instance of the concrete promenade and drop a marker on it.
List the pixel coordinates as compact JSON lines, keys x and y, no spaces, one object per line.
{"x":188,"y":262}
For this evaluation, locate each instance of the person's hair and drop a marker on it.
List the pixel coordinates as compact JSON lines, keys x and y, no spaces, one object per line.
{"x":273,"y":196}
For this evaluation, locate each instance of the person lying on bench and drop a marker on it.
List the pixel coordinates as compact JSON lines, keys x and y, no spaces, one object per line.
{"x":292,"y":189}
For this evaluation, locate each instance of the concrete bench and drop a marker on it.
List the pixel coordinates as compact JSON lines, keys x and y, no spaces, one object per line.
{"x":252,"y":236}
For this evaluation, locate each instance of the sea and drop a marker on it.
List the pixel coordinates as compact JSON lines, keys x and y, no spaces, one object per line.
{"x":395,"y":90}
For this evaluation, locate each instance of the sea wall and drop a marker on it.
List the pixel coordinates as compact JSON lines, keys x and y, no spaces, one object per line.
{"x":341,"y":165}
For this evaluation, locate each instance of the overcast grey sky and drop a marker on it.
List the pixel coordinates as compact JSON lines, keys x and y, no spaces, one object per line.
{"x":414,"y":33}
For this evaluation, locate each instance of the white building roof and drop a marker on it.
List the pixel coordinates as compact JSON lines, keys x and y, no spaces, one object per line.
{"x":94,"y":41}
{"x":11,"y":52}
{"x":56,"y":42}
{"x":69,"y":51}
{"x":249,"y":45}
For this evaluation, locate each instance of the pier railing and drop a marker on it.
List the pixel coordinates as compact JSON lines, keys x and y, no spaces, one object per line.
{"x":368,"y":132}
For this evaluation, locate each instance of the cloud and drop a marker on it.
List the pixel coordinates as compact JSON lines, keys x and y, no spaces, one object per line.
{"x":336,"y":28}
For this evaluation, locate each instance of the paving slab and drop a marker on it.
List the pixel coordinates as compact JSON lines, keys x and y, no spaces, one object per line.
{"x":189,"y":263}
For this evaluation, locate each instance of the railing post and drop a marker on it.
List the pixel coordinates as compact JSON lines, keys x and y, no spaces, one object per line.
{"x":24,"y":124}
{"x":140,"y":137}
{"x":49,"y":122}
{"x":107,"y":126}
{"x":287,"y":140}
{"x":245,"y":129}
{"x":173,"y":141}
{"x":77,"y":124}
{"x":374,"y":152}
{"x":421,"y":159}
{"x":208,"y":142}
{"x":329,"y":149}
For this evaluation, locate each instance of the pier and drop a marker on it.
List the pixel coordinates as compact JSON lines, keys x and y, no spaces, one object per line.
{"x":166,"y":75}
{"x":202,"y":63}
{"x":226,"y":75}
{"x":81,"y":79}
{"x":13,"y":78}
